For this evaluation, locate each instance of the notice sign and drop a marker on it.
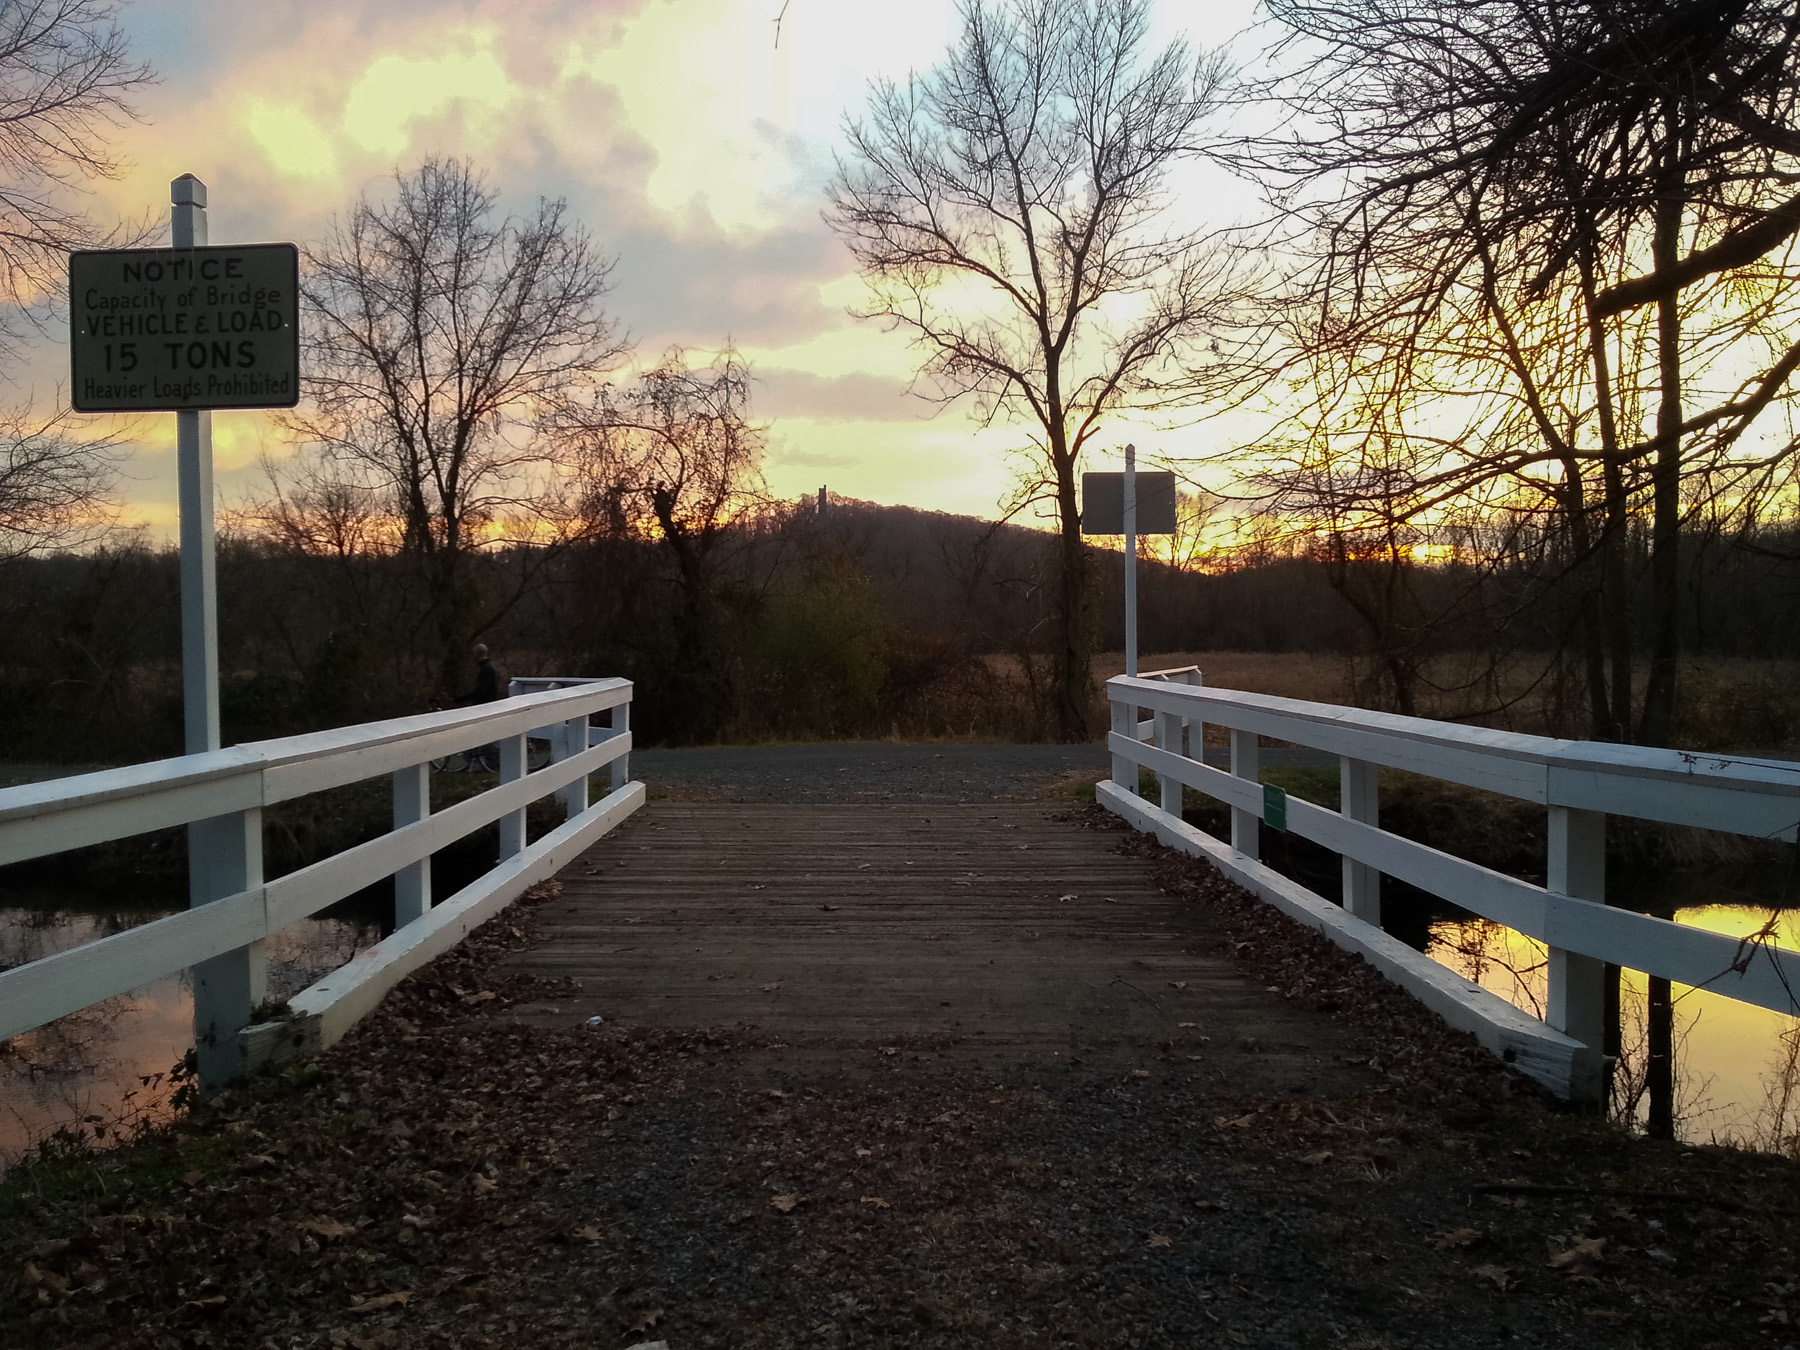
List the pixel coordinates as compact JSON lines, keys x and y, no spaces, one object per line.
{"x":180,"y":329}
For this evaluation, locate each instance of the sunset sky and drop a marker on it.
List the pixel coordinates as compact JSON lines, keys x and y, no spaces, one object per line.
{"x":690,"y":145}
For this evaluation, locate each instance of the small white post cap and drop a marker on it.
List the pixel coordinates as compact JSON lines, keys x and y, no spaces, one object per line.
{"x":188,"y":190}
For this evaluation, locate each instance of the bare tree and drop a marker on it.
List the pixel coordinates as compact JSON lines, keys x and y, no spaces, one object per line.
{"x":1479,"y":185}
{"x":65,"y":77}
{"x":436,"y":335}
{"x":55,"y":488}
{"x":674,"y":456}
{"x":1008,"y":210}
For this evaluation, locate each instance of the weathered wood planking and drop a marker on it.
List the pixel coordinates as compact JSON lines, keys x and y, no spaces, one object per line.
{"x":888,"y":922}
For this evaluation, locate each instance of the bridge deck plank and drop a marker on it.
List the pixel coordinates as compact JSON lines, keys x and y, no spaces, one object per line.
{"x":908,"y":924}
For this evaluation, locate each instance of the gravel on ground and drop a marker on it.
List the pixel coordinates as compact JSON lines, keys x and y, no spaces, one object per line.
{"x":865,"y":771}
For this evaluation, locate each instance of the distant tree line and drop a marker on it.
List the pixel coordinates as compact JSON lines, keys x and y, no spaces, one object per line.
{"x":858,"y":621}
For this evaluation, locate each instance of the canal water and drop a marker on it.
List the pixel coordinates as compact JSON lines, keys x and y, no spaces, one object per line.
{"x":1737,"y":1067}
{"x":106,"y":1070}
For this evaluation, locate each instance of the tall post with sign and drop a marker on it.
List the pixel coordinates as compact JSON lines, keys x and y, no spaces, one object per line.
{"x":1129,"y":503}
{"x":189,"y":329}
{"x":1131,"y":570}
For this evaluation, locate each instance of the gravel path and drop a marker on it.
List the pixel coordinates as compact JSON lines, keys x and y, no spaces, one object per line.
{"x":866,"y":771}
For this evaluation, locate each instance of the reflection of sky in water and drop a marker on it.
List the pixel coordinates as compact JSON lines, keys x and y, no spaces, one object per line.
{"x":1735,"y":1063}
{"x":85,"y":1064}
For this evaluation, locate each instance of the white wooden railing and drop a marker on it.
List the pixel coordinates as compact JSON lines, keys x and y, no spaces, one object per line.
{"x":1579,"y":783}
{"x":220,"y":797}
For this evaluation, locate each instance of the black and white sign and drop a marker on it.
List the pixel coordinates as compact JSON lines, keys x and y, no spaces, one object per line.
{"x":178,"y":329}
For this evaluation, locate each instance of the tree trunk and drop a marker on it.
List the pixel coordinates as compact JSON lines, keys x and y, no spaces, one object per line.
{"x":1659,"y":1069}
{"x":1658,"y":724}
{"x":1074,"y":674}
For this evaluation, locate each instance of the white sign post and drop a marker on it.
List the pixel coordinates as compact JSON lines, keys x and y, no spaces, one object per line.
{"x":1131,"y":570}
{"x":1130,"y":504}
{"x":189,"y":329}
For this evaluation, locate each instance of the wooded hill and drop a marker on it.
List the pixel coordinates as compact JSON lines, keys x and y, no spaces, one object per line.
{"x":855,"y":621}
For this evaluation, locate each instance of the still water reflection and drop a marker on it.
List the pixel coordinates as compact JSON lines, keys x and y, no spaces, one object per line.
{"x":89,"y":1068}
{"x":1735,"y":1065}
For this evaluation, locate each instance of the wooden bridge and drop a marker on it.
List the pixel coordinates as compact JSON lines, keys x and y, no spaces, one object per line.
{"x":995,"y":926}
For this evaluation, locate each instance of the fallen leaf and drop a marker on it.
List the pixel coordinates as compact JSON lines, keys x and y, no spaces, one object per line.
{"x":1208,"y":1206}
{"x":1579,"y":1258}
{"x":193,"y":1178}
{"x":1161,"y":1240}
{"x":214,"y":1301}
{"x":874,"y":1200}
{"x":647,"y":1321}
{"x":45,"y":1279}
{"x":1318,"y":1159}
{"x":482,"y":997}
{"x":326,"y":1227}
{"x":785,"y":1203}
{"x":588,"y":1233}
{"x":1187,"y":1025}
{"x":890,"y":1049}
{"x":1178,"y":984}
{"x":864,"y":1152}
{"x":1235,"y":1122}
{"x":946,"y":1118}
{"x":1140,"y":1073}
{"x":1456,"y":1237}
{"x":776,"y":1093}
{"x":771,"y":988}
{"x":1064,"y":899}
{"x":1111,"y":901}
{"x":1501,"y":1277}
{"x":484,"y":1184}
{"x":380,"y":1301}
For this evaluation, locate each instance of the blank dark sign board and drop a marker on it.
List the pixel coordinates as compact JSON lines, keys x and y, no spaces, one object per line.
{"x":1103,"y":503}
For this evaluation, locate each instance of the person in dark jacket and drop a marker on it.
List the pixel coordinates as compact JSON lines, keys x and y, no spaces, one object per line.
{"x":487,"y":679}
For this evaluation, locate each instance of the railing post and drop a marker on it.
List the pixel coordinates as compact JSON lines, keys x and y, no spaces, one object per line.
{"x":224,"y":858}
{"x":1359,"y":798}
{"x":512,"y":768}
{"x":1193,"y":730}
{"x":412,"y":883}
{"x":1577,"y":996}
{"x":1169,"y":737}
{"x":571,"y":740}
{"x":1124,"y":723}
{"x":621,"y":767}
{"x":1246,"y":762}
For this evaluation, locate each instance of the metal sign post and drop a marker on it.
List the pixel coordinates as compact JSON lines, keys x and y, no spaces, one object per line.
{"x":199,"y":572}
{"x":188,"y":329}
{"x":1131,"y":627}
{"x":1131,"y":504}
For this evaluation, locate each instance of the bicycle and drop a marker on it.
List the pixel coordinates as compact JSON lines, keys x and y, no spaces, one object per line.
{"x":486,"y":758}
{"x":478,"y":759}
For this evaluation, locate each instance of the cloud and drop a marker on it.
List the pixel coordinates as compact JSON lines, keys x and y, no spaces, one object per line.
{"x":692,"y":147}
{"x":848,"y":398}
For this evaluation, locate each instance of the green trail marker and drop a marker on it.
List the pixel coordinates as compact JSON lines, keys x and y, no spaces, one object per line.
{"x":1274,"y":807}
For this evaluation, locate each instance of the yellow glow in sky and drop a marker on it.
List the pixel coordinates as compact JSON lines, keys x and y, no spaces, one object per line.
{"x":397,"y":91}
{"x":294,"y":144}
